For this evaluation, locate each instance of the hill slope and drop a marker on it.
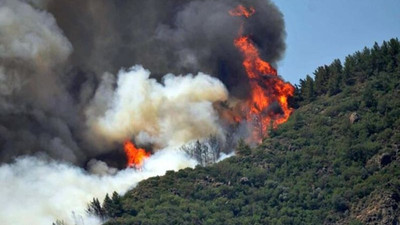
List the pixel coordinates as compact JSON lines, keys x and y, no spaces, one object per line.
{"x":336,"y":161}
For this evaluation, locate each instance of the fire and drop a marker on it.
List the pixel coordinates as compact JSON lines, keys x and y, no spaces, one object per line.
{"x":135,"y":156}
{"x":267,"y":88}
{"x":242,"y":11}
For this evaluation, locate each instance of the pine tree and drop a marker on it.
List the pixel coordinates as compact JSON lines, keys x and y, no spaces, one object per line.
{"x":112,"y":206}
{"x":335,"y":77}
{"x":349,"y":70}
{"x":307,"y":89}
{"x":321,"y":75}
{"x":94,"y":208}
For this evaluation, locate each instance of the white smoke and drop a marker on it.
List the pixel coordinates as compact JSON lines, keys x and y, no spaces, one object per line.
{"x":39,"y":115}
{"x":36,"y":191}
{"x":166,"y":115}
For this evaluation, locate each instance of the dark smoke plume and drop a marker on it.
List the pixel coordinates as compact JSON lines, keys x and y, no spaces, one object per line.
{"x":170,"y":36}
{"x":53,"y":54}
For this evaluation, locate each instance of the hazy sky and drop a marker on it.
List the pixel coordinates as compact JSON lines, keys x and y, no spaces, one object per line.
{"x":318,"y":31}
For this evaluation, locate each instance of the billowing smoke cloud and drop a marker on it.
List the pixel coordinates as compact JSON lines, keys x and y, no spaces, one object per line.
{"x":53,"y":56}
{"x":36,"y":111}
{"x":166,"y":115}
{"x":64,"y":96}
{"x":39,"y":191}
{"x":169,"y":36}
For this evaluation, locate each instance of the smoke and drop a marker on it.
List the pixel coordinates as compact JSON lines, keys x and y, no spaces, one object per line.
{"x":31,"y":35}
{"x":36,"y":111}
{"x":165,"y":115}
{"x":64,"y":99}
{"x":41,"y":191}
{"x":100,"y":168}
{"x":170,"y":36}
{"x":54,"y":58}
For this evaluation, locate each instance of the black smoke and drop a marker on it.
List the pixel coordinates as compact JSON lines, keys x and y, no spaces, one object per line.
{"x":43,"y":95}
{"x":167,"y":36}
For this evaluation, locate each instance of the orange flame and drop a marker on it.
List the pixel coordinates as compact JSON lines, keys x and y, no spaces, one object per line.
{"x":242,"y":11}
{"x":135,"y":156}
{"x":267,"y":88}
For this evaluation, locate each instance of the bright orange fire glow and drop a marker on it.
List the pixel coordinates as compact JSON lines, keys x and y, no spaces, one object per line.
{"x":267,"y":88}
{"x":135,"y":156}
{"x":242,"y":11}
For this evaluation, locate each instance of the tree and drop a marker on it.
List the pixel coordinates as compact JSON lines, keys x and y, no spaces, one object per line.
{"x":205,"y":152}
{"x":321,"y":76}
{"x":243,"y":149}
{"x":94,"y":208}
{"x":215,"y":147}
{"x":335,"y":77}
{"x":298,"y":121}
{"x":349,"y":70}
{"x":297,"y":98}
{"x":368,"y":97}
{"x":112,"y":206}
{"x":339,"y":203}
{"x":307,"y":89}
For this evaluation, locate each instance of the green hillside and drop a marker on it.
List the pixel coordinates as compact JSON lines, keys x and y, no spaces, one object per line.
{"x":336,"y":161}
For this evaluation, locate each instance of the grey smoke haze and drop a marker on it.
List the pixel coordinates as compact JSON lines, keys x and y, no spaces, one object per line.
{"x":169,"y":36}
{"x":54,"y":54}
{"x":36,"y":111}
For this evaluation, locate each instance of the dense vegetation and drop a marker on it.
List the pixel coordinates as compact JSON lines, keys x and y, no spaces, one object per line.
{"x":334,"y":162}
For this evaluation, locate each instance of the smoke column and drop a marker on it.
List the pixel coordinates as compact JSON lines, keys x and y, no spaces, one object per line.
{"x":78,"y":78}
{"x":54,"y":54}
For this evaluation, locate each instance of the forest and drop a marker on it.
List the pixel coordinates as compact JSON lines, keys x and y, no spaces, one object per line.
{"x":336,"y":161}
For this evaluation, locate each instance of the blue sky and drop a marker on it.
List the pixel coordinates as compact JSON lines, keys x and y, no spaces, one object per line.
{"x":319,"y":31}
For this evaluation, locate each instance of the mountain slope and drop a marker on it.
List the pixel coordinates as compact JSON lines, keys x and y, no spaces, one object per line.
{"x":336,"y":161}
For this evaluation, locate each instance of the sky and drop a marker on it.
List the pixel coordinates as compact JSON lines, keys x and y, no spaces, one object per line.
{"x":319,"y":31}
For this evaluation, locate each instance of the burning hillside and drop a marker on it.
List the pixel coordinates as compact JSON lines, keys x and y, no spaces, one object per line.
{"x":76,"y":87}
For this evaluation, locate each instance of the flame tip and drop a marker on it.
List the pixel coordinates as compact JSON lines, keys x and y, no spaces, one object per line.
{"x":135,"y":156}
